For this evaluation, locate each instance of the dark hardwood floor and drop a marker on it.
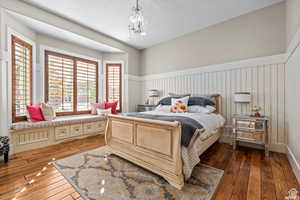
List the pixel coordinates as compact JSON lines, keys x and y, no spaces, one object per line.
{"x":248,"y":174}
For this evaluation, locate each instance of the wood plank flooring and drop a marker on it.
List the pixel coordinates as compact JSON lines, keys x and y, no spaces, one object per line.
{"x":248,"y":174}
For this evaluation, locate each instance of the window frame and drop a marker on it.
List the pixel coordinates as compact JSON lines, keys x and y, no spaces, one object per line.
{"x":15,"y":39}
{"x":120,"y":80}
{"x":75,"y":59}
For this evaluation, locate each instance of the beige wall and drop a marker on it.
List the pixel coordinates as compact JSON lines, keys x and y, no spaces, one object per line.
{"x":292,"y":19}
{"x":260,"y":33}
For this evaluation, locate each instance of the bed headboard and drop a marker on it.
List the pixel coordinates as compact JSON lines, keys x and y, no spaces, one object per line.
{"x":217,"y":99}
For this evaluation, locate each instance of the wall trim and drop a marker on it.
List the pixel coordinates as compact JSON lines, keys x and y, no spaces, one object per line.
{"x":293,"y":45}
{"x":267,"y":60}
{"x":3,"y":55}
{"x":134,"y":77}
{"x":295,"y":165}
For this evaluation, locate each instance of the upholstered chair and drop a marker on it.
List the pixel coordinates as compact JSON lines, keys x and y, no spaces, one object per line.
{"x":4,"y":147}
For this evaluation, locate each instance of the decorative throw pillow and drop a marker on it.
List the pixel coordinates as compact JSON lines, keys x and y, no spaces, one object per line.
{"x":163,"y":108}
{"x":180,"y":105}
{"x":95,"y":106}
{"x":103,"y":112}
{"x":48,"y":112}
{"x":35,"y":113}
{"x":113,"y":106}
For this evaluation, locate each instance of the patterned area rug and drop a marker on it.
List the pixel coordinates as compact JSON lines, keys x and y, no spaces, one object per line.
{"x":98,"y":176}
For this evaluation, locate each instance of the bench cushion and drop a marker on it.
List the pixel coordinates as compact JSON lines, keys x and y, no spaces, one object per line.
{"x":59,"y":121}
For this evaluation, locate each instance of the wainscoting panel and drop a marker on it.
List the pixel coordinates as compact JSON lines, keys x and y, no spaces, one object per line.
{"x":134,"y":96}
{"x":264,"y":81}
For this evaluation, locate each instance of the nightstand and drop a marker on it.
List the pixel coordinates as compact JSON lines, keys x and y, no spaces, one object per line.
{"x":251,"y":130}
{"x":145,"y":107}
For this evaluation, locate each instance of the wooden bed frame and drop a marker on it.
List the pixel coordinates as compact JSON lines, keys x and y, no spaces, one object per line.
{"x":152,"y":144}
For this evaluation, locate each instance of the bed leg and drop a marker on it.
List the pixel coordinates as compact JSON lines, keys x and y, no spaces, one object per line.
{"x":177,"y":182}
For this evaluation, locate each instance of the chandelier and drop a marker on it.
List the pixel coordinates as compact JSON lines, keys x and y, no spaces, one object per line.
{"x":136,"y":21}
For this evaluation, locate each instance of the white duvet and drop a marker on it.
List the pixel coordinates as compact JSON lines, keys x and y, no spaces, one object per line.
{"x":210,"y":122}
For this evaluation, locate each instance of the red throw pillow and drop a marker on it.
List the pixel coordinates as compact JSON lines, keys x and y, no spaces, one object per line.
{"x":113,"y":106}
{"x":35,"y":113}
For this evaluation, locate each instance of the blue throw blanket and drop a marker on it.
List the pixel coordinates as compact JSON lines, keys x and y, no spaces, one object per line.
{"x":188,"y":125}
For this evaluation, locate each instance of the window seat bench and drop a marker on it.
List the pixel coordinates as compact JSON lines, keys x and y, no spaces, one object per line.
{"x":32,"y":135}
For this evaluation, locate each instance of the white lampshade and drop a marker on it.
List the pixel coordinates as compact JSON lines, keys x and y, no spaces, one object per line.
{"x":153,"y":93}
{"x":242,"y":97}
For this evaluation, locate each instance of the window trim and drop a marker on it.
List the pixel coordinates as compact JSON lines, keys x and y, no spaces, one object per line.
{"x":75,"y":59}
{"x":15,"y":39}
{"x":121,"y":84}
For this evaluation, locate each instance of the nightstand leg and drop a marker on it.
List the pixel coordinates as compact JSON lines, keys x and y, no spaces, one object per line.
{"x":234,"y":134}
{"x":267,"y":150}
{"x":234,"y":144}
{"x":6,"y":157}
{"x":266,"y":138}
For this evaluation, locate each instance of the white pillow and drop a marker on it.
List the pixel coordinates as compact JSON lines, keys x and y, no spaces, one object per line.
{"x":48,"y":112}
{"x":103,"y":112}
{"x":201,"y":109}
{"x":163,"y":108}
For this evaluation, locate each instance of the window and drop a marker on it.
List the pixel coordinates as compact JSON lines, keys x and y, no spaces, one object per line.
{"x":21,"y":78}
{"x":71,"y":83}
{"x":114,"y":84}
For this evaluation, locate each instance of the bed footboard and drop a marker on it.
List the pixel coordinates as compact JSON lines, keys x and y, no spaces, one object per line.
{"x":151,"y":144}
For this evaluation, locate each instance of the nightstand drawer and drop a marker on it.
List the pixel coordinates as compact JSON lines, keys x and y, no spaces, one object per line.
{"x":256,"y":137}
{"x":250,"y":125}
{"x":144,"y":108}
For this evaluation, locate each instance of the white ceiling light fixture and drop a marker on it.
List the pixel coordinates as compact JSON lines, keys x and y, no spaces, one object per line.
{"x":136,"y":21}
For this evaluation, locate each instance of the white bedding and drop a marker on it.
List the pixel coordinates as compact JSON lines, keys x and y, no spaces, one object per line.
{"x":210,"y":122}
{"x":190,"y":155}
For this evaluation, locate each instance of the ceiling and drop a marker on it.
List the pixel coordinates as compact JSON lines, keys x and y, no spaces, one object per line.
{"x":165,"y":19}
{"x":64,"y":35}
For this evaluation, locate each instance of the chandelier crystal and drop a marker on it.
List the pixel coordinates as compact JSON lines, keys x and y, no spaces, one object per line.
{"x":136,"y":21}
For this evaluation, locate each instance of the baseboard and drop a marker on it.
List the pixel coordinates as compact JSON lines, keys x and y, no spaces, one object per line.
{"x":279,"y":148}
{"x":294,"y":163}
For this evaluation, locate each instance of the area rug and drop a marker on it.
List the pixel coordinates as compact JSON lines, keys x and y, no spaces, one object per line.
{"x":98,"y":176}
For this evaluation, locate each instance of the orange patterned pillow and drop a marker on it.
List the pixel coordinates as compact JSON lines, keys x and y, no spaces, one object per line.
{"x":180,"y":105}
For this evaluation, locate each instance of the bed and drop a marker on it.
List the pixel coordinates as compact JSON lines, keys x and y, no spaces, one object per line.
{"x":157,"y":145}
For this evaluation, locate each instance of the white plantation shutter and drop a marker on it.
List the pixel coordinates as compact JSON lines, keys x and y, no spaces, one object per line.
{"x":21,"y":78}
{"x":114,"y":84}
{"x":71,"y":83}
{"x":60,"y":82}
{"x":86,"y":84}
